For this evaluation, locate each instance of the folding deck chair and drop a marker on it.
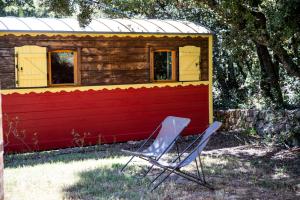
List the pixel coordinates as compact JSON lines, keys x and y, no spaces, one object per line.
{"x":169,"y":132}
{"x":178,"y":163}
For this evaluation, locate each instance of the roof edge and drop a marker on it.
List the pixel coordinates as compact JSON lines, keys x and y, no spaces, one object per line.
{"x":116,"y":26}
{"x":85,"y":33}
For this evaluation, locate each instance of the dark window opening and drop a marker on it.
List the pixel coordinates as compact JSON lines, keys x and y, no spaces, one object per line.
{"x":62,"y":67}
{"x":163,"y":65}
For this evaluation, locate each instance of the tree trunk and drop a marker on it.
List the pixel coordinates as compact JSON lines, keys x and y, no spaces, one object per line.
{"x":286,"y":61}
{"x":269,"y":76}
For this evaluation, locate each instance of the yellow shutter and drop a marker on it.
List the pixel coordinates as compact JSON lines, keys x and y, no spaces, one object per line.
{"x":31,"y":66}
{"x":189,"y":63}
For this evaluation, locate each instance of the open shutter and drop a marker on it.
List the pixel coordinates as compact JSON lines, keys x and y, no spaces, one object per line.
{"x":31,"y":66}
{"x":189,"y":63}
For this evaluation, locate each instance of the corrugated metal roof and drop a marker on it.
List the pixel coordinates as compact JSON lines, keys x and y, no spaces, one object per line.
{"x":70,"y":25}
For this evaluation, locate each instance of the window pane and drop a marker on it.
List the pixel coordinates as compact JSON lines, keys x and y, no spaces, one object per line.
{"x":62,"y":67}
{"x":163,"y":65}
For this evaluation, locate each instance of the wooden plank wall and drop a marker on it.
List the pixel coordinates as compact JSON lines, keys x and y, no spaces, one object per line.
{"x":7,"y":67}
{"x":104,"y":61}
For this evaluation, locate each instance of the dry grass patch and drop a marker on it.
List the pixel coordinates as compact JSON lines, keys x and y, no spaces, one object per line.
{"x":240,"y":171}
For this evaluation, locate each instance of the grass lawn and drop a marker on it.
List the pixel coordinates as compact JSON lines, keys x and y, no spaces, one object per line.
{"x":236,"y":169}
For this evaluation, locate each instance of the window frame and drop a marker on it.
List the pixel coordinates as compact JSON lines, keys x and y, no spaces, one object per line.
{"x":74,"y":73}
{"x":174,"y":64}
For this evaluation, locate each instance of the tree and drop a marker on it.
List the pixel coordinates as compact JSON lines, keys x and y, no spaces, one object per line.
{"x":256,"y":41}
{"x":270,"y":27}
{"x":22,"y":8}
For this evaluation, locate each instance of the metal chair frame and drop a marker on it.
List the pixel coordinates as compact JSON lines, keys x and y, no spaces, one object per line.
{"x":199,"y":179}
{"x":152,"y":158}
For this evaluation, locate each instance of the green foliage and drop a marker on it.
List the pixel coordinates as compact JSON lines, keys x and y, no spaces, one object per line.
{"x":23,"y":8}
{"x":285,"y":139}
{"x":251,"y":132}
{"x":62,"y":7}
{"x":19,"y":8}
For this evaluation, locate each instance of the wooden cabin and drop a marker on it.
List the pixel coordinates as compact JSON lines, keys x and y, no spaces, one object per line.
{"x":114,"y":80}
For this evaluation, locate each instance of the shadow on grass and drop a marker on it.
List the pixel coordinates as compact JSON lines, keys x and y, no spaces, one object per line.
{"x":269,"y":161}
{"x":107,"y":183}
{"x":257,"y":176}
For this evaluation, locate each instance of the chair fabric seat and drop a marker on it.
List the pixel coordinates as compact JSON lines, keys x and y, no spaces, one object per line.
{"x":169,"y":132}
{"x":142,"y":153}
{"x":191,"y":157}
{"x":162,"y":163}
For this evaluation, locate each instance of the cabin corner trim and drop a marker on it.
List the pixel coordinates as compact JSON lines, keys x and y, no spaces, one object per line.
{"x":210,"y":68}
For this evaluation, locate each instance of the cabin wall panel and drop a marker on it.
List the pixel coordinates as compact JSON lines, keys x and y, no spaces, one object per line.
{"x":204,"y":64}
{"x":6,"y":52}
{"x":106,"y":116}
{"x":121,"y":58}
{"x":7,"y":68}
{"x":113,"y":51}
{"x":126,"y":58}
{"x":113,"y":66}
{"x":105,"y":77}
{"x":7,"y":80}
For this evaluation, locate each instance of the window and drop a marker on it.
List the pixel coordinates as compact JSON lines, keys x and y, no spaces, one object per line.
{"x":163,"y":65}
{"x":62,"y":67}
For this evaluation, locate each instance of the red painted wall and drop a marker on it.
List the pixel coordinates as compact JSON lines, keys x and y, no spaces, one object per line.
{"x":41,"y":121}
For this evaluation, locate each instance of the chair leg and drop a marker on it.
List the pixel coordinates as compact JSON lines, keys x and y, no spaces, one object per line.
{"x":198,"y":181}
{"x":148,"y":171}
{"x":198,"y":172}
{"x":201,"y":166}
{"x":160,"y":182}
{"x":177,"y":149}
{"x":183,"y":174}
{"x":157,"y":176}
{"x":193,"y":178}
{"x":127,"y":164}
